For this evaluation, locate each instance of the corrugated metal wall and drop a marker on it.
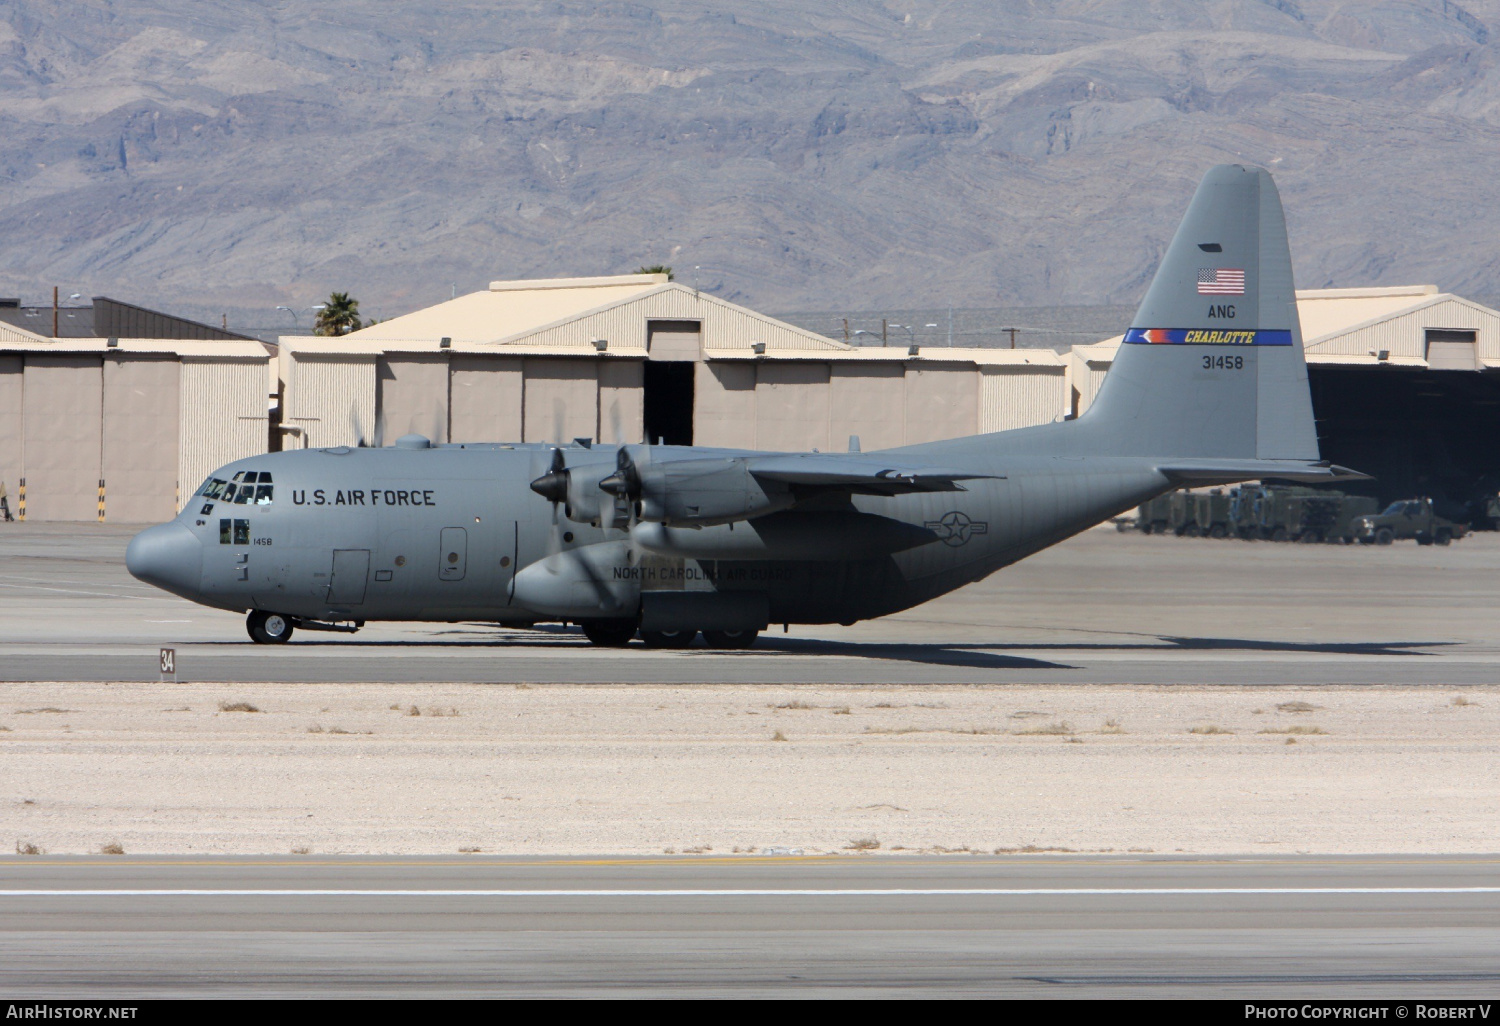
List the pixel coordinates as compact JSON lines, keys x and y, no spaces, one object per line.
{"x":1087,"y":366}
{"x":1405,"y":334}
{"x":222,"y":417}
{"x":63,"y":407}
{"x":141,"y":426}
{"x":12,"y":380}
{"x":411,"y":396}
{"x":484,"y":398}
{"x":1014,"y":397}
{"x":725,"y":326}
{"x":331,"y":397}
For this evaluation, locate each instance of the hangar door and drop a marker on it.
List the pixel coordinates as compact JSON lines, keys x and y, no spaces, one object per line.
{"x":141,"y":439}
{"x":1448,"y":349}
{"x":62,"y":424}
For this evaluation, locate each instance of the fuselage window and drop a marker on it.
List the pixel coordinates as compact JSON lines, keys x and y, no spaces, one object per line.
{"x":212,"y":488}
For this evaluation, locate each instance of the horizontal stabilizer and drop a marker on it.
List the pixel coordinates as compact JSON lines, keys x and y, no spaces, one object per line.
{"x":867,"y":475}
{"x":1204,"y":472}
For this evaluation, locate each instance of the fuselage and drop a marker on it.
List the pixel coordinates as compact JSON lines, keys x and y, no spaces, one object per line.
{"x":443,"y":533}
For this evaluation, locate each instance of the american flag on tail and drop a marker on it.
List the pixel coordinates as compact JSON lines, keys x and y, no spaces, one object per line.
{"x":1221,"y":281}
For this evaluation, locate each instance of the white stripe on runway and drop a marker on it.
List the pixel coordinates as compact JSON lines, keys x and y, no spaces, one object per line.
{"x":883,"y":892}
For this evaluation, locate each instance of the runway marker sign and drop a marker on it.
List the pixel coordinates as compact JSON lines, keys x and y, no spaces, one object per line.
{"x":169,"y":664}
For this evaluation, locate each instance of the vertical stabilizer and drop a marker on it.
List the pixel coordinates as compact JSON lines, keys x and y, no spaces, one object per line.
{"x":1213,"y":366}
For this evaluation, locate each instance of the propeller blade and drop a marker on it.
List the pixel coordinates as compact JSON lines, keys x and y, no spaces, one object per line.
{"x":355,"y":427}
{"x":625,"y":482}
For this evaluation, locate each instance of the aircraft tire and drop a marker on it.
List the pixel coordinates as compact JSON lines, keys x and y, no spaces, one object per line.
{"x":730,"y":639}
{"x":669,"y":639}
{"x":268,"y":628}
{"x":609,"y":633}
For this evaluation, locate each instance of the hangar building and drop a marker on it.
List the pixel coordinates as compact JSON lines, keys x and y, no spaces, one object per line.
{"x":1404,"y":387}
{"x":122,"y":429}
{"x":637,"y":357}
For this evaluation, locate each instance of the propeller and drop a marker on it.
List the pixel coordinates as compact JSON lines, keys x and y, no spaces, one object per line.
{"x":355,"y":427}
{"x":625,"y":482}
{"x":553,"y":486}
{"x":625,"y":485}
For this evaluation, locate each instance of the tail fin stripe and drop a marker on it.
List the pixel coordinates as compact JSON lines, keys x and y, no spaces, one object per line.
{"x":1207,"y":337}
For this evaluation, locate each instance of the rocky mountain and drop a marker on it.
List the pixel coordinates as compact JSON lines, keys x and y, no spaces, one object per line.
{"x":204,"y":155}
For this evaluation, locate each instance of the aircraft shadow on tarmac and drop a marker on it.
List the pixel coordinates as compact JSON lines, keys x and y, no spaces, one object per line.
{"x":977,"y":655}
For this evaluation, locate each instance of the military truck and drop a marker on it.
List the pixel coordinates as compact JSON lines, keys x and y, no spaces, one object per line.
{"x":1155,"y":516}
{"x":1211,"y":514}
{"x":1407,"y":518}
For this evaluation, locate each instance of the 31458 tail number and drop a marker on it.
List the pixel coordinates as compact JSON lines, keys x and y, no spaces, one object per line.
{"x":1223,"y":363}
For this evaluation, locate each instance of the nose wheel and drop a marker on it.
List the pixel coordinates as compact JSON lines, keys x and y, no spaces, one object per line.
{"x":268,"y":628}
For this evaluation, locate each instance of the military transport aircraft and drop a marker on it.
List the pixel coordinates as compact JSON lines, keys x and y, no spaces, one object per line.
{"x":1210,"y":387}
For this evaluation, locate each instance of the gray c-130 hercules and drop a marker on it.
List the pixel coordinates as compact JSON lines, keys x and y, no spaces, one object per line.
{"x":1210,"y":387}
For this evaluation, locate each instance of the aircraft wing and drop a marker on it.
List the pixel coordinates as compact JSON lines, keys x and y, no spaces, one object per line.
{"x":867,"y":475}
{"x":1201,"y":472}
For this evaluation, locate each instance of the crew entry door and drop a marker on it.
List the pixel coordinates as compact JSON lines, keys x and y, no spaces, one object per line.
{"x":453,"y":554}
{"x":351,"y":572}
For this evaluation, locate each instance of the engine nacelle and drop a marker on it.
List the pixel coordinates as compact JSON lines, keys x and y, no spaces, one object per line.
{"x":706,"y":491}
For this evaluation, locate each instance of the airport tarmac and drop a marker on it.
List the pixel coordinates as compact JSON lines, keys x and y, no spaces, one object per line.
{"x":1246,"y":928}
{"x":1100,"y":608}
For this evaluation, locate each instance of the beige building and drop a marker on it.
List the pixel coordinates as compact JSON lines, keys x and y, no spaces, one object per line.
{"x":1415,"y":327}
{"x":636,"y":357}
{"x":123,"y":429}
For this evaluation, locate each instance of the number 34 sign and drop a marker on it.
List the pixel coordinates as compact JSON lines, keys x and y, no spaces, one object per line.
{"x":169,"y":663}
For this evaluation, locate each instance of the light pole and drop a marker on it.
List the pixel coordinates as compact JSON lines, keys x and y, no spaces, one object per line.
{"x":295,"y":321}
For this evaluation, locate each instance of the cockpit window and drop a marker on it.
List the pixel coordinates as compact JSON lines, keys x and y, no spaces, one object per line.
{"x":247,"y":486}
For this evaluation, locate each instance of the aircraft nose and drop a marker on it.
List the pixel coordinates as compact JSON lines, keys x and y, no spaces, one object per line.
{"x":167,"y":556}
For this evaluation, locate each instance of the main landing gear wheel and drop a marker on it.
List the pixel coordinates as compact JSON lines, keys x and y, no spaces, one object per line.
{"x":268,"y":628}
{"x":609,"y":633}
{"x":730,"y":639}
{"x":668,"y":639}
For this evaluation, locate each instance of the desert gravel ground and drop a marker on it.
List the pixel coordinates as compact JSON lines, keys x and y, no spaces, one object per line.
{"x":566,"y":769}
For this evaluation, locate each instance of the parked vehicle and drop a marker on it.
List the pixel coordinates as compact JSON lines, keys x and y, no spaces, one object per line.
{"x":1211,"y":514}
{"x":1407,"y":518}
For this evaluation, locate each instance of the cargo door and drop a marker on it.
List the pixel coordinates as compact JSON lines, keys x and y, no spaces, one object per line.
{"x":351,"y":572}
{"x":453,"y":554}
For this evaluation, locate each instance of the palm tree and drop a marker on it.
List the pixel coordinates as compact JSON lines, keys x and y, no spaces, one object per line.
{"x":656,"y":269}
{"x":339,"y":316}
